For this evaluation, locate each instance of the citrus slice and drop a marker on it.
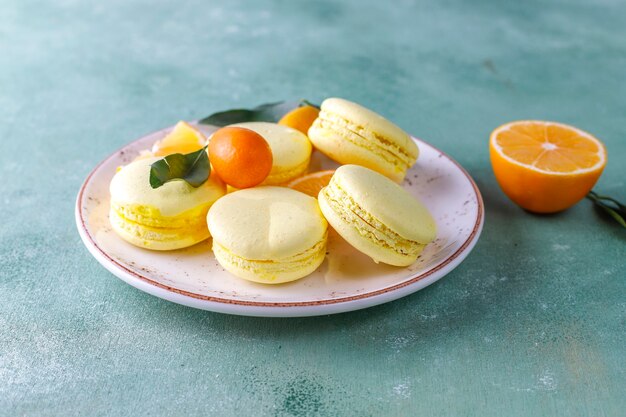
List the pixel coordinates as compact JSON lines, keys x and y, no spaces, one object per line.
{"x":184,"y":138}
{"x":311,"y":184}
{"x":300,"y":118}
{"x":545,"y":167}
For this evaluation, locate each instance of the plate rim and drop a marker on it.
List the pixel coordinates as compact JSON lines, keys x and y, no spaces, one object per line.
{"x":226,"y":305}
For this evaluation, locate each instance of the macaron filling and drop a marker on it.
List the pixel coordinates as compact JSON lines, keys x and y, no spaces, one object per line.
{"x":367,"y":225}
{"x":270,"y":270}
{"x":359,"y":136}
{"x":281,"y":176}
{"x":160,"y":237}
{"x":152,"y":217}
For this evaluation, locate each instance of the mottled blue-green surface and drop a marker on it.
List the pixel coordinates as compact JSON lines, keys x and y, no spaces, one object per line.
{"x":531,"y":324}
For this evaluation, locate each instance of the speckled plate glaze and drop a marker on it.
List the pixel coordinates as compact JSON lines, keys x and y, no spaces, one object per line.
{"x":346,"y":281}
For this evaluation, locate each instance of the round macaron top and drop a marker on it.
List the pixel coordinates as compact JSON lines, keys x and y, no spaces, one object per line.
{"x":266,"y":223}
{"x":290,"y":147}
{"x":131,"y":185}
{"x":368,"y":120}
{"x":386,"y":201}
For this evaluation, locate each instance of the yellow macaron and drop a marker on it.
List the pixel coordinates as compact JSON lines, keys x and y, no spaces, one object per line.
{"x":172,"y":216}
{"x":376,"y":215}
{"x":268,"y":234}
{"x":291,"y":150}
{"x":351,"y":134}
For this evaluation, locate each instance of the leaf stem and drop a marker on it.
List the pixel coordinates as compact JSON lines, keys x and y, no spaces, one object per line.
{"x":616,"y":210}
{"x":305,"y":102}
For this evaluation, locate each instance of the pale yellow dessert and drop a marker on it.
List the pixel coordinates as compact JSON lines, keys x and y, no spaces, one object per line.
{"x":351,"y":134}
{"x":172,"y":216}
{"x":268,"y":234}
{"x":376,"y":215}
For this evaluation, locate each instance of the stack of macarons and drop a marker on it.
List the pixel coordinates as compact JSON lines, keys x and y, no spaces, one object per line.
{"x":272,"y":234}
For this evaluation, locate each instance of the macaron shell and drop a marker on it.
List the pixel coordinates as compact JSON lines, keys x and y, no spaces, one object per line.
{"x":386,"y":201}
{"x":131,"y":186}
{"x":372,"y":121}
{"x":334,"y":144}
{"x":278,"y":272}
{"x":151,"y":216}
{"x":357,"y":237}
{"x":157,"y":238}
{"x":267,"y":223}
{"x":279,"y":177}
{"x":291,"y":150}
{"x":351,"y":134}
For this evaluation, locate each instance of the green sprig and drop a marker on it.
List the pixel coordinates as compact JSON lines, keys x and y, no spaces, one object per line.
{"x":611,"y":206}
{"x":194,"y":168}
{"x":269,"y":112}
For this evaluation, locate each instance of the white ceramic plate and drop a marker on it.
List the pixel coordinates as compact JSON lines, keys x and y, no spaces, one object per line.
{"x":347,"y":280}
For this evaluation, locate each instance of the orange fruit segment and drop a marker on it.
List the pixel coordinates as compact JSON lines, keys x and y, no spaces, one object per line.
{"x":545,"y":167}
{"x":241,"y":157}
{"x":311,"y":184}
{"x":300,"y":118}
{"x":184,"y":138}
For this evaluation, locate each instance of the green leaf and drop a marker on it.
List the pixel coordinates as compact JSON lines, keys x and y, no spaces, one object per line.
{"x":611,"y":206}
{"x":269,"y":112}
{"x":305,"y":102}
{"x":192,"y":167}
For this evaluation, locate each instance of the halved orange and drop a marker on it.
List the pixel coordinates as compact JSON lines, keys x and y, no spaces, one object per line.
{"x":545,"y":167}
{"x":311,"y":184}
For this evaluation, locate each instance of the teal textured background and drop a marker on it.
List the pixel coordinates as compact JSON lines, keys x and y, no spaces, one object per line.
{"x":532,"y":323}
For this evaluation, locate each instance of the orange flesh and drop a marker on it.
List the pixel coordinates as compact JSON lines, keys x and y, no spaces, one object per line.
{"x":313,"y":183}
{"x":545,"y":167}
{"x":549,"y":147}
